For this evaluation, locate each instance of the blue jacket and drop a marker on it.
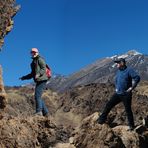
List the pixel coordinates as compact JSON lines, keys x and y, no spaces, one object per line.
{"x":125,"y":79}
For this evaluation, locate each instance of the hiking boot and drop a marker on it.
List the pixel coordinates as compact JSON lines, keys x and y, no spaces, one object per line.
{"x":38,"y":113}
{"x":131,"y":128}
{"x":100,"y":121}
{"x":46,"y":115}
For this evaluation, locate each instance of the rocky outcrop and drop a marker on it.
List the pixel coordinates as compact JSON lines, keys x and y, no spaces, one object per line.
{"x":28,"y":132}
{"x":85,"y":100}
{"x":72,"y":121}
{"x":2,"y":92}
{"x":8,"y":9}
{"x":91,"y":134}
{"x":19,"y":127}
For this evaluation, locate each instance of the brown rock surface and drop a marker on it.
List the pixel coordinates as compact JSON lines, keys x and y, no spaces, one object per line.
{"x":72,"y":118}
{"x":129,"y":139}
{"x":17,"y":121}
{"x":85,"y":100}
{"x":3,"y":99}
{"x":8,"y":9}
{"x":27,"y":132}
{"x":91,"y":134}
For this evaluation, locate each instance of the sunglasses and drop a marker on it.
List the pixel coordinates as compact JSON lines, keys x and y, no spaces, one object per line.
{"x":33,"y":52}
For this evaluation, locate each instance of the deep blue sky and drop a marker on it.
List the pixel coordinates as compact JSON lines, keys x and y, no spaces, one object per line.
{"x":71,"y":34}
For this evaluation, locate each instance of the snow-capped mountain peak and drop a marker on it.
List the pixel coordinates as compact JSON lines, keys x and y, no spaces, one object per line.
{"x":103,"y":70}
{"x":128,"y":54}
{"x":133,"y":52}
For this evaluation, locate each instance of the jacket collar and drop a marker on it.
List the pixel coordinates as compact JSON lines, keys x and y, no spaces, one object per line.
{"x":36,"y":57}
{"x":122,"y":68}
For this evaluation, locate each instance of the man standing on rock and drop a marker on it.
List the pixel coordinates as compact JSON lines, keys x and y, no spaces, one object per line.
{"x":126,"y":80}
{"x":38,"y":73}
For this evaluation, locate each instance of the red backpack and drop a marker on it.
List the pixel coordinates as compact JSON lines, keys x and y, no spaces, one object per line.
{"x":48,"y":71}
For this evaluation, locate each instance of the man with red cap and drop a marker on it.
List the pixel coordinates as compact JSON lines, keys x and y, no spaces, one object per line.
{"x":38,"y":73}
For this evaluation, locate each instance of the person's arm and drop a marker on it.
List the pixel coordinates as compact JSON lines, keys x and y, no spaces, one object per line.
{"x":42,"y":65}
{"x":135,"y":79}
{"x":26,"y":77}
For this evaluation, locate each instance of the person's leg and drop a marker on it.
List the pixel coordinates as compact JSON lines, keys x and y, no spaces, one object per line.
{"x":127,"y":99}
{"x":38,"y":93}
{"x":40,"y":105}
{"x":110,"y":104}
{"x":44,"y":108}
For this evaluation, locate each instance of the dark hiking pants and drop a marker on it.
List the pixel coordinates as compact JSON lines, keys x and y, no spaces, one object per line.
{"x":115,"y":99}
{"x":40,"y":105}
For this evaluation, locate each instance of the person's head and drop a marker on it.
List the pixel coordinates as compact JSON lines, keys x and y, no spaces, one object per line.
{"x":34,"y":52}
{"x":120,"y":62}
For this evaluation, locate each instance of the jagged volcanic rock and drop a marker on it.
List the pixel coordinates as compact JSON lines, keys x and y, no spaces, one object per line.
{"x":8,"y":9}
{"x":74,"y":117}
{"x":91,"y":134}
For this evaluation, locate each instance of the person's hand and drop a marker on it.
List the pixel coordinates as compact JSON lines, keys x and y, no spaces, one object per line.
{"x":37,"y":76}
{"x":130,"y":89}
{"x":22,"y":78}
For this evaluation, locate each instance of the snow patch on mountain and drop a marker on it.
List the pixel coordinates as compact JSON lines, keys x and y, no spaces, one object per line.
{"x":133,"y":52}
{"x":123,"y":56}
{"x":129,"y":54}
{"x":113,"y":57}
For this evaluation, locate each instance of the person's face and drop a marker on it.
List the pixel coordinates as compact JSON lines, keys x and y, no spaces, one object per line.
{"x":33,"y":54}
{"x":120,"y":64}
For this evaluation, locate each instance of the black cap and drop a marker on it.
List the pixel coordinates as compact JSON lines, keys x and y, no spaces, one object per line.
{"x":120,"y":60}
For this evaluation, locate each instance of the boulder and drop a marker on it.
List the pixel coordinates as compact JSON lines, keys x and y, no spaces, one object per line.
{"x":91,"y":134}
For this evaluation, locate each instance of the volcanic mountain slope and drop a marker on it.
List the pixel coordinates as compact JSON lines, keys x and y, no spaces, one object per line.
{"x":72,"y":121}
{"x":56,"y":81}
{"x":103,"y":70}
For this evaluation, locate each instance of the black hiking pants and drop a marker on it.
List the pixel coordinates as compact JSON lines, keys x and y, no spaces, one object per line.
{"x":115,"y":99}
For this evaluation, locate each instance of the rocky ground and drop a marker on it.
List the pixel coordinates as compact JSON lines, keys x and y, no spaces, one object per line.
{"x":72,"y":120}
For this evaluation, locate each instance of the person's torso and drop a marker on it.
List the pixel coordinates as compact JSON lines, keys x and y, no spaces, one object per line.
{"x":123,"y":81}
{"x":37,"y":67}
